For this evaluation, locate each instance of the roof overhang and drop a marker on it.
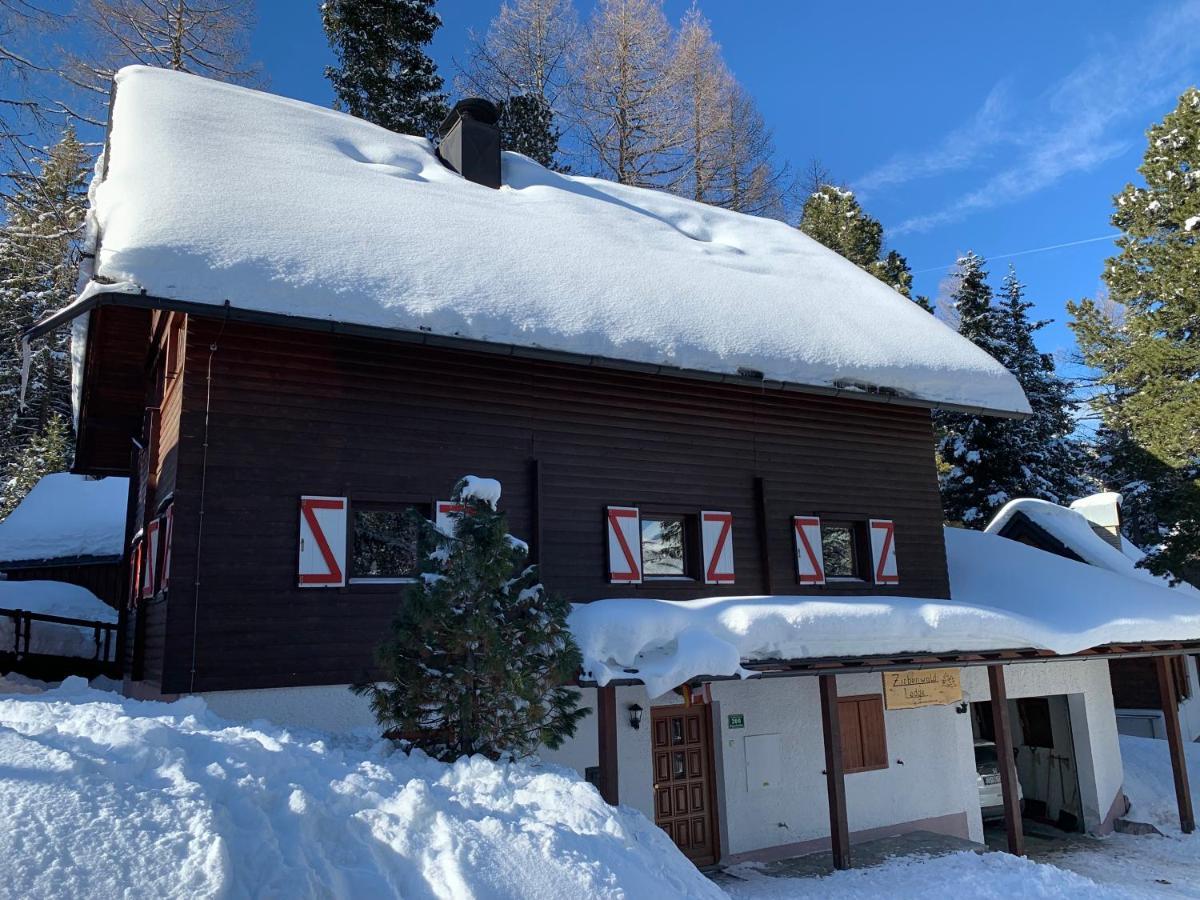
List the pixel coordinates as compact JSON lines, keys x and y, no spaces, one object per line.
{"x":378,"y":332}
{"x":793,"y":668}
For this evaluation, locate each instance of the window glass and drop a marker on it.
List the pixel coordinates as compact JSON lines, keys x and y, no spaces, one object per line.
{"x":837,"y":546}
{"x":385,"y":544}
{"x":663,"y":547}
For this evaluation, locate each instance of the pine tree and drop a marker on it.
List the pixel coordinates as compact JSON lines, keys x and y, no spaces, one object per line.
{"x":479,"y":652}
{"x":39,"y":259}
{"x":384,"y":74}
{"x":527,"y":126}
{"x":1148,"y":356}
{"x":48,"y":451}
{"x":833,"y":216}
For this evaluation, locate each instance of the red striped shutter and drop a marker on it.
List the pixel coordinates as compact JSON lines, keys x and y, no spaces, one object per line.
{"x":716,"y":540}
{"x":150,"y":559}
{"x":322,"y":542}
{"x":810,"y":563}
{"x":624,"y":545}
{"x":168,"y":531}
{"x":443,"y":515}
{"x":883,"y":551}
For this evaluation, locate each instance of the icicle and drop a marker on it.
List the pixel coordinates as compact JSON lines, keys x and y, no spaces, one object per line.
{"x":26,"y":362}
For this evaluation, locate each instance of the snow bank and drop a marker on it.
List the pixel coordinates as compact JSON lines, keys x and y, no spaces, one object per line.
{"x":215,"y":193}
{"x":102,"y":796}
{"x":1074,"y":530}
{"x":1006,"y":596}
{"x":66,"y":516}
{"x":1149,"y":783}
{"x":55,"y":598}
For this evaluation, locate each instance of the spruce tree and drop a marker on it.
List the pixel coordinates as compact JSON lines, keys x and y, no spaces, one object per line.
{"x":1148,"y":352}
{"x":479,"y":652}
{"x":527,"y":126}
{"x":39,"y":260}
{"x":991,"y":461}
{"x":384,"y":74}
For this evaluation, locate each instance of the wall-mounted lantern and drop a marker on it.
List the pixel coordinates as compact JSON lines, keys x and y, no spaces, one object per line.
{"x":635,"y":716}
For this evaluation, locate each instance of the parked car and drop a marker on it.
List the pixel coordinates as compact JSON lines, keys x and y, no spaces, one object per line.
{"x":987,"y":776}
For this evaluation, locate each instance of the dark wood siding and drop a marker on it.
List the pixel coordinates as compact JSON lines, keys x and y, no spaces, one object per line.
{"x":114,"y":389}
{"x":297,"y":413}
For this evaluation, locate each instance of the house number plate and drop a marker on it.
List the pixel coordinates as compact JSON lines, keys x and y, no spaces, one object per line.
{"x":737,"y":720}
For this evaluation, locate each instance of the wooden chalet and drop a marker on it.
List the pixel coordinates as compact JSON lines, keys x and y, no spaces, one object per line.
{"x":667,"y":419}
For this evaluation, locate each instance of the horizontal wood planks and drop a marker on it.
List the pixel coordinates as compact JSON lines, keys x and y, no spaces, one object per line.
{"x":306,"y":413}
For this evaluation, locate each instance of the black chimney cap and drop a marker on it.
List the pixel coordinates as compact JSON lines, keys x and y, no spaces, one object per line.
{"x":476,"y":108}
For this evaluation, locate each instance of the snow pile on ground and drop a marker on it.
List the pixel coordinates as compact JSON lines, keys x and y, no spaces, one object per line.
{"x":214,"y":192}
{"x":54,"y":598}
{"x":1006,"y":596}
{"x":66,"y":516}
{"x":101,"y":796}
{"x":1150,"y":784}
{"x":993,"y":876}
{"x":1074,"y":530}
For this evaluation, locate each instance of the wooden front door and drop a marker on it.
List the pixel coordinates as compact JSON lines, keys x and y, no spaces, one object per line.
{"x":681,"y":745}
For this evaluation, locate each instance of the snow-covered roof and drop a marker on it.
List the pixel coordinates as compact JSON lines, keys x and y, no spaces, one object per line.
{"x":1007,"y":596}
{"x":215,"y":193}
{"x":1075,"y":532}
{"x":65,"y":517}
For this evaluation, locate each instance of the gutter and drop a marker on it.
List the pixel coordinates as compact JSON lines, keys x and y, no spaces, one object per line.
{"x":429,"y":339}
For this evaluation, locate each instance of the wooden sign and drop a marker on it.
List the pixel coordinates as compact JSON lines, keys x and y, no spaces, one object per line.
{"x":921,"y":687}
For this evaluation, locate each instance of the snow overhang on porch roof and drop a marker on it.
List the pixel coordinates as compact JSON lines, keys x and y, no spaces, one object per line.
{"x":218,"y":196}
{"x":1012,"y":603}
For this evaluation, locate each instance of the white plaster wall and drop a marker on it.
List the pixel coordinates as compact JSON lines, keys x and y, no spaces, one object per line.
{"x":1093,"y":721}
{"x":328,"y":707}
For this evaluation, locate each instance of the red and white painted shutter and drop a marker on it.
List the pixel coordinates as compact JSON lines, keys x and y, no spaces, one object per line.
{"x":716,"y":540}
{"x":150,"y":559}
{"x":883,"y":551}
{"x":168,"y":531}
{"x":322,"y":541}
{"x":810,"y":562}
{"x":624,"y":545}
{"x":443,"y":515}
{"x":135,"y":571}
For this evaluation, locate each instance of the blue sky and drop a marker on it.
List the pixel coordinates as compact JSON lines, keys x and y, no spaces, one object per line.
{"x":994,"y":127}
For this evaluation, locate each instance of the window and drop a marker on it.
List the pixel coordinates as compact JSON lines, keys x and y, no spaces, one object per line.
{"x":666,"y":547}
{"x":383,"y":544}
{"x":842,"y":550}
{"x":864,"y":736}
{"x":1034,"y":715}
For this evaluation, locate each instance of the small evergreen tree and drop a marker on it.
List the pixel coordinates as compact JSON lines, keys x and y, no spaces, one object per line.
{"x":1148,"y":353}
{"x":48,"y":451}
{"x":479,"y":652}
{"x":384,"y":74}
{"x":527,"y":126}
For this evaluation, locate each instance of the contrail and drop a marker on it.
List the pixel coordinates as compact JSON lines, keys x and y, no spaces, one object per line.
{"x":1092,"y":240}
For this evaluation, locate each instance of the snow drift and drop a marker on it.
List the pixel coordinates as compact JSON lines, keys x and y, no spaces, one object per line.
{"x":66,"y":516}
{"x":102,"y":796}
{"x":217,"y":193}
{"x":1006,"y":596}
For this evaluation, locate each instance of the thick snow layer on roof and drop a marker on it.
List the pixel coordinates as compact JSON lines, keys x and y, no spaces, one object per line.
{"x":66,"y":516}
{"x":108,"y":797}
{"x":1075,"y":532}
{"x":1006,"y":596}
{"x":217,"y":193}
{"x":55,"y":598}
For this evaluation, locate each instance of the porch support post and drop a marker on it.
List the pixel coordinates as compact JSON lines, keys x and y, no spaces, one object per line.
{"x":606,"y":720}
{"x":835,"y":778}
{"x":1006,"y":760}
{"x":1170,"y":708}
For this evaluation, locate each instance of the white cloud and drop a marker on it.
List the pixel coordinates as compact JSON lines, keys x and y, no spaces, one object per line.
{"x":1096,"y":112}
